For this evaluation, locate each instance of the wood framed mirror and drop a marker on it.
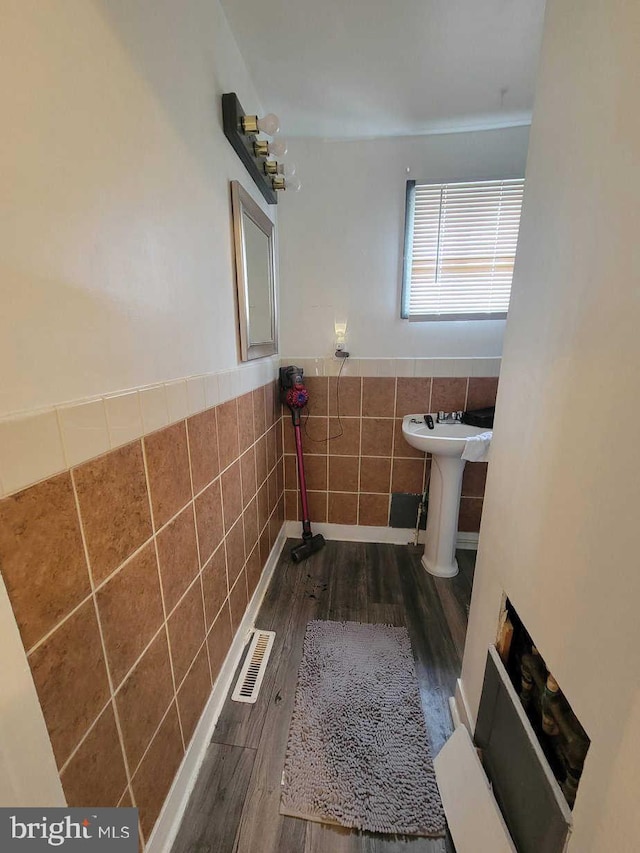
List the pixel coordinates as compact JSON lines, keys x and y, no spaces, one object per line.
{"x":254,"y":241}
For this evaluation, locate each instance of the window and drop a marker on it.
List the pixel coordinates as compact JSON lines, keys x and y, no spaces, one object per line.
{"x":460,"y":246}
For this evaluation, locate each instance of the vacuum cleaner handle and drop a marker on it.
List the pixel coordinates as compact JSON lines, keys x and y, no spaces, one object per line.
{"x":306,"y":522}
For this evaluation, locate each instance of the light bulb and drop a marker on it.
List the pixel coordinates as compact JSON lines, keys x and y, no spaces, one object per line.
{"x":292,"y":184}
{"x":269,"y":124}
{"x":287,"y":169}
{"x":278,"y":148}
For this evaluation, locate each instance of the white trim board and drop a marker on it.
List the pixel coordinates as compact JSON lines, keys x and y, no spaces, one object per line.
{"x":28,"y":772}
{"x":475,"y":821}
{"x":168,"y":823}
{"x":364,"y":533}
{"x":462,"y":709}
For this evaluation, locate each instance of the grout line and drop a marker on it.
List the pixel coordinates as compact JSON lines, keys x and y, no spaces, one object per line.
{"x":77,"y":747}
{"x":102,"y":642}
{"x":153,"y":736}
{"x":200,"y":566}
{"x":165,"y":624}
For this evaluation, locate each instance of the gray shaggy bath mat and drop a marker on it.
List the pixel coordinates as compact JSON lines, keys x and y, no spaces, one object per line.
{"x":358,"y":753}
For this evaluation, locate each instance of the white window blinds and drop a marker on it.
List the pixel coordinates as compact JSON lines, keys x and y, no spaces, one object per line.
{"x":460,"y":246}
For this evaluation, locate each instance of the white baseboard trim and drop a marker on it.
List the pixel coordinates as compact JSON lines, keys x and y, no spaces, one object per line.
{"x":453,"y":710}
{"x":364,"y":533}
{"x":168,"y":823}
{"x":464,"y":715}
{"x":467,"y":541}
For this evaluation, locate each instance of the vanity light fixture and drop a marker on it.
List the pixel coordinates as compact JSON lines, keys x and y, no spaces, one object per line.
{"x":270,"y":124}
{"x":277,"y":148}
{"x":260,"y":156}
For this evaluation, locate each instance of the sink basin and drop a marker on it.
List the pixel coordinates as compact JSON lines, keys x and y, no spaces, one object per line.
{"x":446,"y":443}
{"x":442,"y":440}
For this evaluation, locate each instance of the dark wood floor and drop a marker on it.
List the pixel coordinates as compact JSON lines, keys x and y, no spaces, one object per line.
{"x":235,"y":804}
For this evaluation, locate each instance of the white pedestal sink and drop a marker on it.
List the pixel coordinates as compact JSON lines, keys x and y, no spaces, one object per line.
{"x":446,"y":443}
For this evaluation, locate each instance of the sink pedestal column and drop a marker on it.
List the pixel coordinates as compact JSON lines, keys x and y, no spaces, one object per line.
{"x":445,"y":488}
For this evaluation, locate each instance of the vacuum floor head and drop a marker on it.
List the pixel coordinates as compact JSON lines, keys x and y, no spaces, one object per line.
{"x":307,"y":548}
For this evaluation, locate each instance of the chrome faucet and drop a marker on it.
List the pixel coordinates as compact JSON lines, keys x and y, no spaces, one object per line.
{"x":449,"y":418}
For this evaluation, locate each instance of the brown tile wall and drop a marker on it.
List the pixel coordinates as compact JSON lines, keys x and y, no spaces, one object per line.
{"x":355,"y":463}
{"x":128,"y":576}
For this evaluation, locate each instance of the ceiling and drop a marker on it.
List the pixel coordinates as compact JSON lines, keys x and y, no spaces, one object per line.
{"x":369,"y":68}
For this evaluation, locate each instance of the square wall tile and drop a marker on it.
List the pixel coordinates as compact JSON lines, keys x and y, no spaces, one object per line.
{"x":95,"y":777}
{"x":214,"y":585}
{"x":413,"y":396}
{"x":253,"y":569}
{"x":250,"y":524}
{"x":401,"y":447}
{"x":378,"y":397}
{"x":272,"y":447}
{"x":270,"y":399}
{"x":153,"y":778}
{"x":130,"y":608}
{"x":153,"y":404}
{"x":234,"y":544}
{"x":374,"y":510}
{"x":168,"y":470}
{"x":246,"y":428}
{"x":114,"y":507}
{"x":194,"y":693}
{"x":344,"y":473}
{"x":124,"y":418}
{"x":186,"y":631}
{"x":448,"y":394}
{"x":144,"y":698}
{"x":315,"y":469}
{"x":211,"y":390}
{"x":248,"y":475}
{"x":261,"y":460}
{"x":259,"y":419}
{"x":30,"y":450}
{"x":343,"y":508}
{"x":196,"y":400}
{"x":474,"y":479}
{"x":228,"y":441}
{"x":203,"y":448}
{"x":408,"y":476}
{"x":345,"y":396}
{"x":318,"y":388}
{"x":177,"y":400}
{"x":231,"y":495}
{"x":263,"y":505}
{"x":405,"y":366}
{"x":71,"y":679}
{"x":178,"y":555}
{"x":377,"y":437}
{"x":238,"y":601}
{"x":344,"y":437}
{"x":42,"y":556}
{"x":317,"y":506}
{"x":209,"y":520}
{"x":470,"y":515}
{"x":375,"y":474}
{"x":219,"y":641}
{"x":84,"y":431}
{"x":291,"y":502}
{"x":290,"y":472}
{"x":482,"y":392}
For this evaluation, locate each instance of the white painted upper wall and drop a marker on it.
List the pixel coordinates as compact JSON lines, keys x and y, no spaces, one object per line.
{"x":559,"y":527}
{"x":342,"y":236}
{"x":115,"y":238}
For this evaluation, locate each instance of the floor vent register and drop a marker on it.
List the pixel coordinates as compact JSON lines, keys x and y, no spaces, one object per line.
{"x":254,"y":667}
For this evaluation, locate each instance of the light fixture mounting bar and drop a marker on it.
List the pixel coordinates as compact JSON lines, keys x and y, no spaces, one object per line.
{"x":232,"y":114}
